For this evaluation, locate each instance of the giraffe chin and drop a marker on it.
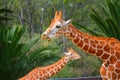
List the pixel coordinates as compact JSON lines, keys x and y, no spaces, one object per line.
{"x":48,"y":39}
{"x":46,"y":42}
{"x":45,"y":38}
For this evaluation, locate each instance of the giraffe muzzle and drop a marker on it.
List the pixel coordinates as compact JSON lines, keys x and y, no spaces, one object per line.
{"x":44,"y":37}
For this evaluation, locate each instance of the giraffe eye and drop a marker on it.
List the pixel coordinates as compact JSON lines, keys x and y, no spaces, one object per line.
{"x":58,"y":26}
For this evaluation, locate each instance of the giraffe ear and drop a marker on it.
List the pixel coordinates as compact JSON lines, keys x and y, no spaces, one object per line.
{"x":67,"y":22}
{"x":60,"y":14}
{"x":56,"y":14}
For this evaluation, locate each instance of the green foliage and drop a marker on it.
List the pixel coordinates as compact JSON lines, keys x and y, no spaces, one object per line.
{"x":110,"y":25}
{"x":108,"y":22}
{"x":17,"y":58}
{"x":66,"y":72}
{"x":4,"y":17}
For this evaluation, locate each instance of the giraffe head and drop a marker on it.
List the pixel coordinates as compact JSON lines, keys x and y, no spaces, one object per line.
{"x":71,"y":54}
{"x":56,"y":28}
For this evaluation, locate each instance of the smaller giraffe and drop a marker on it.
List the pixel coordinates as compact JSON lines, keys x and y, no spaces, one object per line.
{"x":42,"y":73}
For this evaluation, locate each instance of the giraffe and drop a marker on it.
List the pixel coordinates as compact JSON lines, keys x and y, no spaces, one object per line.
{"x":42,"y":73}
{"x":107,"y":49}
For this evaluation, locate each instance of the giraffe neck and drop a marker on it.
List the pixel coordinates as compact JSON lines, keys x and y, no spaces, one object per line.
{"x":96,"y":46}
{"x":56,"y":67}
{"x":42,"y":73}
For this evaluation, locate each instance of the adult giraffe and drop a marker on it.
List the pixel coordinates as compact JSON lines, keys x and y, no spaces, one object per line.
{"x":107,"y":49}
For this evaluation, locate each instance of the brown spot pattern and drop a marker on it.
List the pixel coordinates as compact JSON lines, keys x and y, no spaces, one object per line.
{"x":117,"y":48}
{"x":113,"y":59}
{"x":99,"y":46}
{"x":112,"y":43}
{"x":85,"y":47}
{"x":92,"y":43}
{"x":85,"y":40}
{"x":76,"y":40}
{"x":118,"y":64}
{"x":112,"y":50}
{"x":117,"y":71}
{"x":71,"y":34}
{"x":119,"y":76}
{"x":91,"y":50}
{"x":102,"y":43}
{"x":96,"y":42}
{"x":105,"y":56}
{"x":109,"y":75}
{"x":111,"y":68}
{"x":99,"y":52}
{"x":117,"y":54}
{"x":114,"y":76}
{"x":80,"y":44}
{"x":107,"y":48}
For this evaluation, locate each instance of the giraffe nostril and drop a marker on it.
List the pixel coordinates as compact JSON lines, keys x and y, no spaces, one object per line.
{"x":44,"y":35}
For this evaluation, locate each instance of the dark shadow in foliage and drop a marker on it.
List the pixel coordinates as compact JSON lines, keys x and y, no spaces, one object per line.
{"x":3,"y":16}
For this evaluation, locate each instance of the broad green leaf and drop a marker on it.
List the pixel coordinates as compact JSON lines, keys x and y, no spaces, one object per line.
{"x":29,"y":44}
{"x":101,"y":24}
{"x":115,"y":32}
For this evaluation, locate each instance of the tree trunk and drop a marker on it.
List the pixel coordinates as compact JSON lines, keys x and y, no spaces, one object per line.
{"x":63,"y":38}
{"x":21,"y":17}
{"x":29,"y":17}
{"x":42,"y":21}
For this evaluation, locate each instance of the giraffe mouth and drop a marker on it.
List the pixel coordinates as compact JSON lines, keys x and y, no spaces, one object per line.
{"x":46,"y":38}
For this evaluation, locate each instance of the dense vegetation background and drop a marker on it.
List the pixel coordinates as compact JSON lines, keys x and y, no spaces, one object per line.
{"x":23,"y":21}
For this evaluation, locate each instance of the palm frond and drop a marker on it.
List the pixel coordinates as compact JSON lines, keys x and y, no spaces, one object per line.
{"x":108,"y":22}
{"x":16,"y":57}
{"x":100,"y":22}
